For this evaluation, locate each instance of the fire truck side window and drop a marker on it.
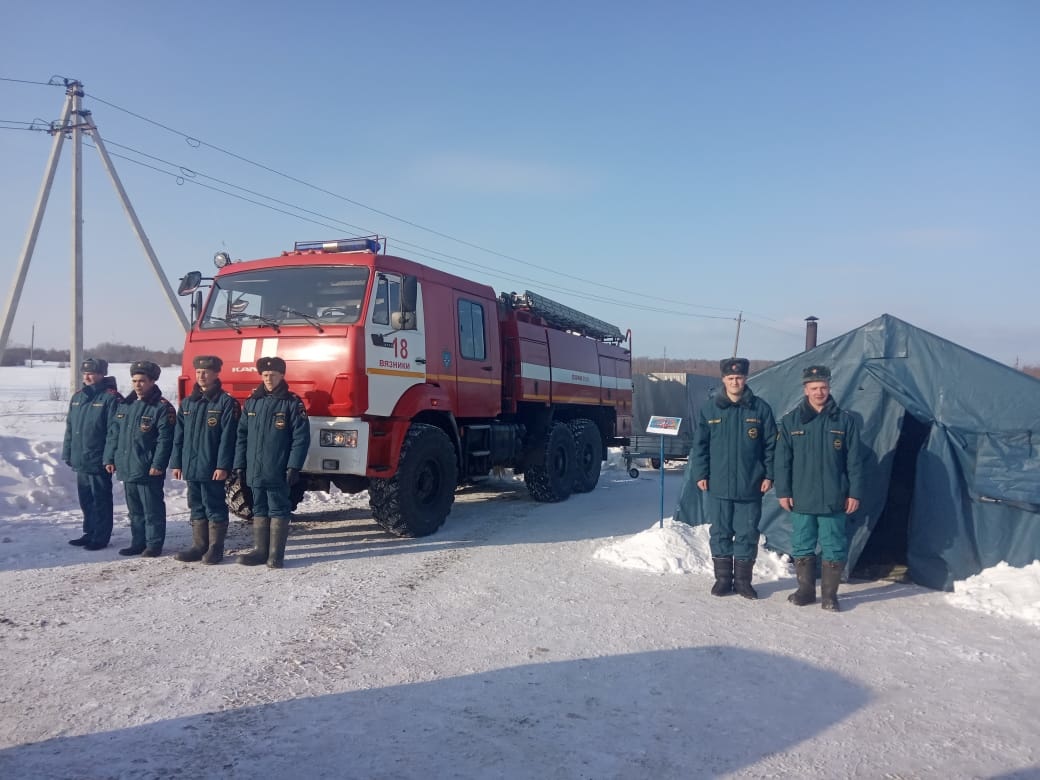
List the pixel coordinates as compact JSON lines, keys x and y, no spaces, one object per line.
{"x":388,"y":299}
{"x":471,"y":330}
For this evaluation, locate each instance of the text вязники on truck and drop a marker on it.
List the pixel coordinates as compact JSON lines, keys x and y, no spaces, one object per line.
{"x":416,"y":380}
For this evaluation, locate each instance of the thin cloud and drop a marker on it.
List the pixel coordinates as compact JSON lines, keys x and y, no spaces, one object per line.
{"x":933,"y":238}
{"x":468,"y":173}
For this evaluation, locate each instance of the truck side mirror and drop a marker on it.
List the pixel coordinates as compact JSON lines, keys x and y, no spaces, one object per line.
{"x":409,"y":293}
{"x":190,"y":283}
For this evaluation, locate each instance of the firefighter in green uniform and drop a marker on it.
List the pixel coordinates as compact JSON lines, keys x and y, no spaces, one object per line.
{"x":819,"y":478}
{"x":732,"y":460}
{"x":204,"y":455}
{"x":273,"y":438}
{"x":138,"y":449}
{"x":91,"y":410}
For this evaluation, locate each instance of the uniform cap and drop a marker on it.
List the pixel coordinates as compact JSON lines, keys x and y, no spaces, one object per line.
{"x":94,"y":366}
{"x":816,"y":374}
{"x":210,"y":362}
{"x":146,"y":367}
{"x":270,"y":364}
{"x":731,"y":366}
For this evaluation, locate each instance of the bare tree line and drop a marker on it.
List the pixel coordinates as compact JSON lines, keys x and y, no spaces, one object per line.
{"x":111,"y":351}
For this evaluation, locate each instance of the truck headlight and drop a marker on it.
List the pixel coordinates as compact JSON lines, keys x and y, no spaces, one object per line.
{"x":330,"y":437}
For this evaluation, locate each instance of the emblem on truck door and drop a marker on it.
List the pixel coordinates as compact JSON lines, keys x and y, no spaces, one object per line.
{"x":446,"y":358}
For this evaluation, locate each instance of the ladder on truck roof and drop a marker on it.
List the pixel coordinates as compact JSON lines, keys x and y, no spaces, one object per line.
{"x":564,"y":317}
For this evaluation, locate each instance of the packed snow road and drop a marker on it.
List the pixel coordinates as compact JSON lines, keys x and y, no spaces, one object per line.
{"x":498,"y":647}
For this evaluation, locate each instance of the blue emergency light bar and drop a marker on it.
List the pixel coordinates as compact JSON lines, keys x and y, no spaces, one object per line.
{"x":342,"y":245}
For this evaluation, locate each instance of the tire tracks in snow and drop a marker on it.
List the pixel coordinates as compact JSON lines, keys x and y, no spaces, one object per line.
{"x":368,"y":598}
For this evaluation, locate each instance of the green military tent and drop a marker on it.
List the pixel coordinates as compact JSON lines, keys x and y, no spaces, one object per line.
{"x":952,"y":446}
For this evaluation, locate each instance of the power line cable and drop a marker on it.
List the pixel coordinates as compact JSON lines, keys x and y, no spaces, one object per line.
{"x":27,"y":81}
{"x":181,"y":179}
{"x":186,"y":174}
{"x":197,"y":142}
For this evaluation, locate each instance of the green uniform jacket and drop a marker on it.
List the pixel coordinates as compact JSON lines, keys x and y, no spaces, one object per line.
{"x":819,"y":460}
{"x":207,"y":426}
{"x":273,"y":435}
{"x":141,"y":436}
{"x":733,"y":446}
{"x":91,"y":411}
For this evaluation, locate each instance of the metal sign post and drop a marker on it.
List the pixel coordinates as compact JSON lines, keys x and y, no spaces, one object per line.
{"x":663,"y":426}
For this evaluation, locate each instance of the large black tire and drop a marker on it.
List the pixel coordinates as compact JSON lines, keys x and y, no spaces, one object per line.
{"x":239,"y":497}
{"x":655,"y":462}
{"x":553,"y":479}
{"x":416,"y":500}
{"x":588,"y":450}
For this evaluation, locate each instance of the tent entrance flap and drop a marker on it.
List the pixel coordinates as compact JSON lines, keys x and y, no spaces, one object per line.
{"x":885,"y":552}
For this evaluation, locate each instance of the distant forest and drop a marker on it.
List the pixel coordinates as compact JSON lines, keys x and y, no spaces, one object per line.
{"x":126,"y":353}
{"x":657,"y":365}
{"x":113,"y":353}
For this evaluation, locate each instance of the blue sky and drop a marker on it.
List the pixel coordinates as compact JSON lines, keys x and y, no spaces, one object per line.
{"x":663,"y":166}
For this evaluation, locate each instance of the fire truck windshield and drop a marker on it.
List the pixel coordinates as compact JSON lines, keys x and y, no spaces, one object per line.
{"x":298,"y":295}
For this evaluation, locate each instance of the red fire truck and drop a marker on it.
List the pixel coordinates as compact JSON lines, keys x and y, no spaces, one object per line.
{"x":415,"y":380}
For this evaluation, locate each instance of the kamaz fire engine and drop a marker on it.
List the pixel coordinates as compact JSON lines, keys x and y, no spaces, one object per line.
{"x":416,"y":381}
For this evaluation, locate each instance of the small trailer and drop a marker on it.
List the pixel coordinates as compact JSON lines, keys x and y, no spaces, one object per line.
{"x":677,"y":394}
{"x":648,"y":446}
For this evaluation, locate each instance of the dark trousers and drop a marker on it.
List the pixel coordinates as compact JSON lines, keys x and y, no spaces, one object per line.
{"x":146,"y":503}
{"x":271,"y":501}
{"x":734,"y":528}
{"x":95,"y":499}
{"x":207,"y":502}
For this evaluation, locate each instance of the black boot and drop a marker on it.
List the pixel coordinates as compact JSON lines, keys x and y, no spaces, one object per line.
{"x":742,"y":570}
{"x":279,"y":535}
{"x":82,"y":541}
{"x":199,"y":543}
{"x":830,"y":578}
{"x":215,"y":553}
{"x":261,"y":543}
{"x":151,"y":552}
{"x":723,"y":577}
{"x":805,"y":568}
{"x":135,"y":548}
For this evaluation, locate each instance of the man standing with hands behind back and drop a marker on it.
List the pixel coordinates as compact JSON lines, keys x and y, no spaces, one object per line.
{"x":819,"y":476}
{"x":203,"y":455}
{"x":273,"y":437}
{"x":91,"y":410}
{"x":732,"y":460}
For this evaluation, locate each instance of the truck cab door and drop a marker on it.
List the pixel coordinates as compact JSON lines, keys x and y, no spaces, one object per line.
{"x":478,"y":367}
{"x":395,"y":344}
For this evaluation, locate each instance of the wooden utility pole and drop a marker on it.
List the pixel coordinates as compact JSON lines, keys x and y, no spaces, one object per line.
{"x":73,"y":123}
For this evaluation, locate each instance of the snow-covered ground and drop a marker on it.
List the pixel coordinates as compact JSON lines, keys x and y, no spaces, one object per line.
{"x":572,"y":640}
